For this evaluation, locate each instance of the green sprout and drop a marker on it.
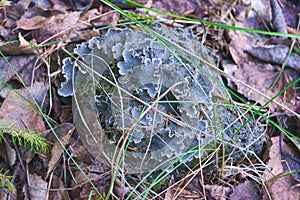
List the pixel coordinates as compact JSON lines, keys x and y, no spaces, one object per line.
{"x":5,"y":181}
{"x":24,"y":137}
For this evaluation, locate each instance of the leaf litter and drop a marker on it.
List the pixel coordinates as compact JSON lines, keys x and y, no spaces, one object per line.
{"x":40,"y":21}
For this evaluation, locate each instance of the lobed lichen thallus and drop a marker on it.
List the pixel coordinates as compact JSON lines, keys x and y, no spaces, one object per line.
{"x":151,"y":100}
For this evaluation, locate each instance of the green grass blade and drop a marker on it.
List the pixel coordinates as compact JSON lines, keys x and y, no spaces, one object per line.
{"x":213,"y":23}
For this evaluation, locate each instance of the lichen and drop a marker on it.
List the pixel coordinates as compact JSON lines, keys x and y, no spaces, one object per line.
{"x":125,"y":72}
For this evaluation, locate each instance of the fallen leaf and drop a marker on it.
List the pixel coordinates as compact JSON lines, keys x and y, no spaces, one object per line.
{"x":72,"y":5}
{"x":230,"y":68}
{"x":169,"y":195}
{"x":37,"y":187}
{"x":18,"y":62}
{"x":274,"y":54}
{"x":22,"y":47}
{"x":44,"y":5}
{"x":246,"y":191}
{"x":64,"y":132}
{"x":62,"y":26}
{"x":252,"y":74}
{"x":22,"y":113}
{"x":12,"y":49}
{"x":21,"y":109}
{"x":251,"y":14}
{"x":280,"y":187}
{"x":32,"y":23}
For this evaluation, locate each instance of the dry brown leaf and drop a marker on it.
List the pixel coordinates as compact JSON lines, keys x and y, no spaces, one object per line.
{"x":23,"y":113}
{"x":32,"y":23}
{"x":281,"y":188}
{"x":18,"y":62}
{"x":37,"y":187}
{"x":72,"y":5}
{"x":44,"y":28}
{"x":259,"y":76}
{"x":246,"y":191}
{"x":22,"y":47}
{"x":254,"y":72}
{"x":64,"y":132}
{"x":62,"y":26}
{"x":169,"y":195}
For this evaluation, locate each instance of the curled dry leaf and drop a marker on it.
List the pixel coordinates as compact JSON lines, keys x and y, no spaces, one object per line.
{"x":274,"y":54}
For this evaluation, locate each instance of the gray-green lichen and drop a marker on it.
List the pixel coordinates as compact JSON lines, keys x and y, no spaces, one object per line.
{"x":166,"y":102}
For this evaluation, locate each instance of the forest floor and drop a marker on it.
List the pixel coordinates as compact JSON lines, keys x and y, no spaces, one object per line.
{"x":261,"y":59}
